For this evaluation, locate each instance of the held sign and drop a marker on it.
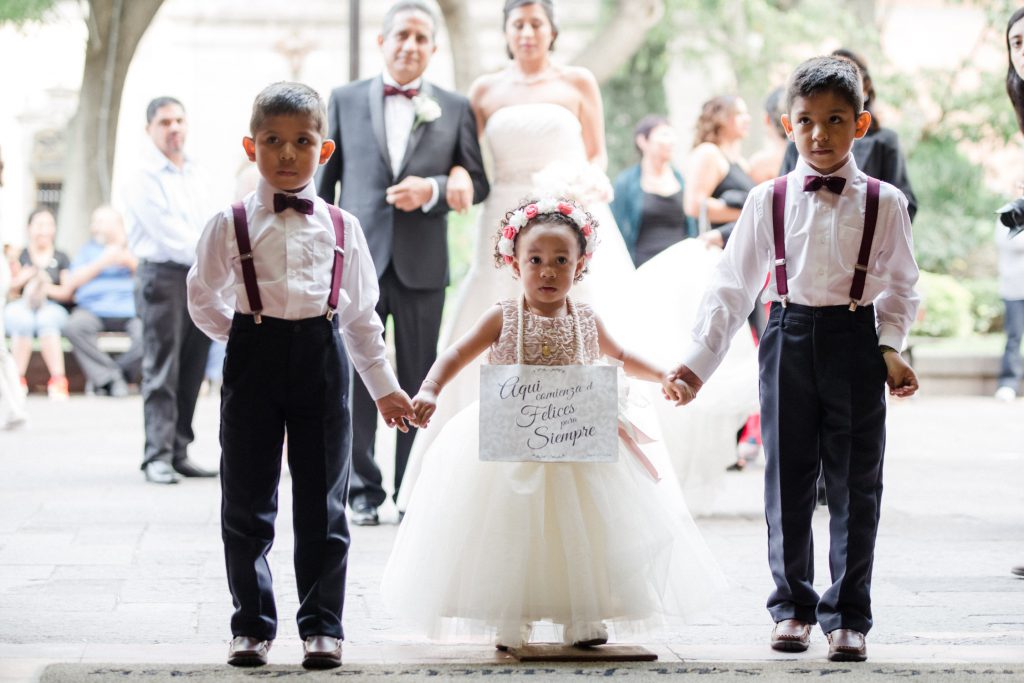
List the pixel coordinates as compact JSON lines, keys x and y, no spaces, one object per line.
{"x":561,"y":413}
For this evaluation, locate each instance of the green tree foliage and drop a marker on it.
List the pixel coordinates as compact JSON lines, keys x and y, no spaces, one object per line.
{"x":22,"y":11}
{"x":955,"y":222}
{"x":636,"y":91}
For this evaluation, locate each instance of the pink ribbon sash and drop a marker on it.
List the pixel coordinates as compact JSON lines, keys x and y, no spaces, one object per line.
{"x":633,"y":436}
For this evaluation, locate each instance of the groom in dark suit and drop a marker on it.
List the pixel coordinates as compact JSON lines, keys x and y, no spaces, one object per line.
{"x":398,"y":137}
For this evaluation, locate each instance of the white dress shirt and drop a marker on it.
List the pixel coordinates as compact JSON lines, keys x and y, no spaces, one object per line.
{"x":166,"y":208}
{"x":399,"y":115}
{"x":293,"y":255}
{"x":822,"y":233}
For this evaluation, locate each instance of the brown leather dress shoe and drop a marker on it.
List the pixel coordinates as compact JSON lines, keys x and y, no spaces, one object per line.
{"x":791,"y":635}
{"x":846,"y":645}
{"x":321,"y":652}
{"x":246,"y":651}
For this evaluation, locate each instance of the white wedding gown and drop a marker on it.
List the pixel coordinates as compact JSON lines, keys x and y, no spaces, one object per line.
{"x":701,"y":437}
{"x":537,"y":149}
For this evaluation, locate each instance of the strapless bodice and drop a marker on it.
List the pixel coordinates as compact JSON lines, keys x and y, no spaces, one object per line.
{"x":525,"y":138}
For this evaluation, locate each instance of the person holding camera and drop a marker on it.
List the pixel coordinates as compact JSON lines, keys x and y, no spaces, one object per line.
{"x":1011,"y":256}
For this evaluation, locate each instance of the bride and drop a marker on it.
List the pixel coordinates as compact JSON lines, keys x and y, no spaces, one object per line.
{"x":543,"y":124}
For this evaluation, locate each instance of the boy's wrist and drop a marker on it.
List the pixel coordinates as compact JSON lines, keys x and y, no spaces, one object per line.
{"x":884,"y":349}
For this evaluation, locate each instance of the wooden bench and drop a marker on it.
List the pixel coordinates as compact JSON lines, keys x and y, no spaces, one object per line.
{"x":114,"y":343}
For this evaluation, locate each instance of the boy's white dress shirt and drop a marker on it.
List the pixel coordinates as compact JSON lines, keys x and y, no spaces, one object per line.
{"x":293,"y":255}
{"x":165,"y":208}
{"x":822,"y":235}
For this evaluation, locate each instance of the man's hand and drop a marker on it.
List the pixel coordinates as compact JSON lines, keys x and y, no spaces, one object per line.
{"x":410,"y":194}
{"x":901,"y":378}
{"x":459,"y":194}
{"x":396,"y":409}
{"x":690,"y":379}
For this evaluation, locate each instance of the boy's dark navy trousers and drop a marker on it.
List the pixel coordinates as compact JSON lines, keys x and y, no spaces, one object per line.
{"x":285,"y":375}
{"x":822,"y":382}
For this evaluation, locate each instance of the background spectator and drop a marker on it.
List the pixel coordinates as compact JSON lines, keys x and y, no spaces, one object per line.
{"x":648,"y":204}
{"x":40,"y":282}
{"x":102,"y":276}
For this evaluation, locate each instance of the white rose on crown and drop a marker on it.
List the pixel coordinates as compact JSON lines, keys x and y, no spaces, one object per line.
{"x":427,"y":110}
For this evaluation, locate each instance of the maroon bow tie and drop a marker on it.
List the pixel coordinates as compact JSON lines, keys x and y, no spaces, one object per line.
{"x":390,"y":90}
{"x":813,"y":183}
{"x":290,"y":201}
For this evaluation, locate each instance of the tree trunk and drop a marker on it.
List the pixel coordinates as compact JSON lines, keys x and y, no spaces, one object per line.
{"x":620,"y":37}
{"x":462,"y":35}
{"x":115,"y":29}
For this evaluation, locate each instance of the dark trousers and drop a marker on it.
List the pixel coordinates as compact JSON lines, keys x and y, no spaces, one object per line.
{"x":285,"y":376}
{"x":83,"y":329}
{"x":417,"y":322}
{"x":173,"y":358}
{"x":1011,"y":370}
{"x":822,"y":406}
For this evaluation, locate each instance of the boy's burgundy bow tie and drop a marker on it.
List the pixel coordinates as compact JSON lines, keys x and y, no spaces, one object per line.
{"x":813,"y":183}
{"x":290,"y":201}
{"x":392,"y":90}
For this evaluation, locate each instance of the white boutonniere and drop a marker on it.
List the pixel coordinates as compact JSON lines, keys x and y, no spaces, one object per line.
{"x":427,"y":109}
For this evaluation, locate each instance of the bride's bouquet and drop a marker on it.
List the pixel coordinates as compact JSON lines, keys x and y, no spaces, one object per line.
{"x":583,"y":183}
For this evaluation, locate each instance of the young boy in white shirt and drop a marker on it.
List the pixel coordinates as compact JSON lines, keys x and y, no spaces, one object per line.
{"x":839,"y":249}
{"x":278,"y":276}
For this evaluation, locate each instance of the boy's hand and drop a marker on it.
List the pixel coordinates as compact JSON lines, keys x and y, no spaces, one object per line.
{"x":459,"y":194}
{"x":677,"y":390}
{"x":688,"y":377}
{"x":410,"y":194}
{"x":424,"y":403}
{"x":396,"y":409}
{"x":900,"y":377}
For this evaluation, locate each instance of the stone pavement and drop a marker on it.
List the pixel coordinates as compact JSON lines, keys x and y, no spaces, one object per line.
{"x":98,"y":566}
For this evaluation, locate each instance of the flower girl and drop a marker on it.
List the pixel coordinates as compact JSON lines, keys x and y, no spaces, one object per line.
{"x":490,"y":548}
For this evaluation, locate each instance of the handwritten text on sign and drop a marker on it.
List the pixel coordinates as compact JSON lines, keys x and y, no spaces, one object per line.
{"x":564,"y":413}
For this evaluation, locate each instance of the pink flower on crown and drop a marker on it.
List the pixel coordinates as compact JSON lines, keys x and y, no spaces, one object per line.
{"x":509,"y":232}
{"x":587,"y":230}
{"x":531,"y":211}
{"x":565,"y":208}
{"x":508,"y":259}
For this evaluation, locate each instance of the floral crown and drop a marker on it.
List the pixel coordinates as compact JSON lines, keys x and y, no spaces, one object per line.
{"x":519,"y":218}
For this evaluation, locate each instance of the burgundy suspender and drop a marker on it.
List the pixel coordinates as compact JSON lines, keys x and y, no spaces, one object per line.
{"x":860,"y":269}
{"x":778,"y":231}
{"x":870,"y":220}
{"x":252,"y":290}
{"x":339,"y":258}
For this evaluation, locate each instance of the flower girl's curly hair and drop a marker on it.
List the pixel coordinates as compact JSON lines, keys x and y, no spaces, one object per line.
{"x":550,"y":211}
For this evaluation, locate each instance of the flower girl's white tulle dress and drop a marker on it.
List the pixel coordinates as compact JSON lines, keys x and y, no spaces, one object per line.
{"x":488,"y":547}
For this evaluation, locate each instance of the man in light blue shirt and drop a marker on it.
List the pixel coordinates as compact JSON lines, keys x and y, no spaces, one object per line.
{"x":166,"y":207}
{"x":102,"y":276}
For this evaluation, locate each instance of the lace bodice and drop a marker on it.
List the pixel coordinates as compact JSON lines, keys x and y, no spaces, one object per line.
{"x":524,"y":138}
{"x":546,"y":341}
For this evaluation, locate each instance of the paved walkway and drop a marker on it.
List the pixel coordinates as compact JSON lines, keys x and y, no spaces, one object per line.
{"x":96,"y":565}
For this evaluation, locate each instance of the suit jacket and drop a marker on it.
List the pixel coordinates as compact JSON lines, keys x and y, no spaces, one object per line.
{"x":413,"y":242}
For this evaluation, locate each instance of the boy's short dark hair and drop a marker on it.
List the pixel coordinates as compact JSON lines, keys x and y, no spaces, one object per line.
{"x":826,"y":74}
{"x":286,"y":98}
{"x":159,"y":102}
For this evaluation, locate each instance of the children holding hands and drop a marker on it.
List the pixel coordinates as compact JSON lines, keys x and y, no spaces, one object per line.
{"x":281,"y":276}
{"x":490,"y":548}
{"x":839,"y":249}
